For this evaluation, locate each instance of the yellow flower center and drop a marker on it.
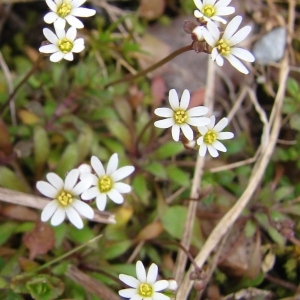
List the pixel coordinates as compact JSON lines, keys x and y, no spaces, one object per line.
{"x":105,"y":184}
{"x":65,"y":45}
{"x":209,"y":137}
{"x":180,"y":116}
{"x":64,"y":9}
{"x":208,"y":10}
{"x":145,"y":290}
{"x":223,"y":47}
{"x":65,"y":198}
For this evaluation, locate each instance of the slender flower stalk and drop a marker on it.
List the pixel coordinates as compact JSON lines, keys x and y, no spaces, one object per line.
{"x":212,"y":10}
{"x":105,"y":182}
{"x":223,"y":46}
{"x":210,"y":136}
{"x":179,"y":117}
{"x":63,"y":11}
{"x":63,"y":44}
{"x":145,"y":285}
{"x":65,"y":195}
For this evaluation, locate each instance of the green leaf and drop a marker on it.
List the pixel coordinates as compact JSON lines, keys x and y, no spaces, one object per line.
{"x":139,"y":185}
{"x":178,"y":176}
{"x":292,"y":86}
{"x":7,"y":229}
{"x":250,"y":229}
{"x":44,"y":287}
{"x":283,"y":193}
{"x":174,"y":219}
{"x":168,"y":149}
{"x":156,"y":169}
{"x":68,"y":160}
{"x":9,"y":180}
{"x":84,"y":143}
{"x":116,"y":249}
{"x":40,"y":146}
{"x":82,"y":236}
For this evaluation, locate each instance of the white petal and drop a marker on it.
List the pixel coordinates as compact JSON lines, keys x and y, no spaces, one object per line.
{"x":97,"y":166}
{"x":46,"y":189}
{"x":199,"y":4}
{"x":58,"y":217}
{"x":219,"y":146}
{"x":240,"y":35}
{"x":200,"y":121}
{"x":202,"y":130}
{"x":91,"y":193}
{"x":214,"y":54}
{"x":60,"y":23}
{"x":101,"y":201}
{"x":160,"y":285}
{"x":242,"y":54}
{"x":82,"y":186}
{"x":50,"y":36}
{"x":221,"y":125}
{"x":237,"y":64}
{"x":200,"y":140}
{"x":232,"y":27}
{"x":212,"y":122}
{"x":77,"y":3}
{"x":225,"y":11}
{"x":71,"y":180}
{"x":56,"y":57}
{"x":187,"y":131}
{"x":51,"y":5}
{"x":219,"y":60}
{"x":198,"y":14}
{"x":129,"y":280}
{"x":73,"y":21}
{"x":74,"y":217}
{"x":122,"y":187}
{"x":213,"y":30}
{"x":128,"y":293}
{"x":222,"y":3}
{"x":202,"y":150}
{"x":83,"y":208}
{"x":69,"y":56}
{"x":197,"y":111}
{"x":122,"y":173}
{"x":78,"y":45}
{"x":164,"y":123}
{"x":112,"y":165}
{"x":115,"y":196}
{"x":212,"y":151}
{"x":164,"y":112}
{"x":55,"y":180}
{"x":208,"y":37}
{"x":152,"y":274}
{"x":160,"y":296}
{"x":140,"y":271}
{"x":49,"y":210}
{"x":173,"y":99}
{"x":48,"y":49}
{"x":185,"y":100}
{"x":225,"y":135}
{"x":219,"y":19}
{"x":71,"y":34}
{"x":175,"y":132}
{"x":50,"y":17}
{"x":83,"y":12}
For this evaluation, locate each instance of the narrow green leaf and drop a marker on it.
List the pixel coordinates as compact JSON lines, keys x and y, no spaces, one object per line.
{"x":40,"y":146}
{"x":168,"y":149}
{"x":10,"y":180}
{"x":156,"y":169}
{"x":178,"y":176}
{"x":116,"y":249}
{"x":68,"y":160}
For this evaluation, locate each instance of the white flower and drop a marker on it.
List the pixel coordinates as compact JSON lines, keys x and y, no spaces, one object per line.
{"x":212,"y":10}
{"x":179,"y":117}
{"x":224,"y":46}
{"x":67,"y":10}
{"x":84,"y":169}
{"x":210,"y":136}
{"x":198,"y":32}
{"x":173,"y":286}
{"x":106,"y":184}
{"x":145,"y":286}
{"x":65,"y":201}
{"x":62,"y":44}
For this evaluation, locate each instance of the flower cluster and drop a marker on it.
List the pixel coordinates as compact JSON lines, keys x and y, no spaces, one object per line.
{"x":82,"y":183}
{"x":179,"y":117}
{"x":208,"y":38}
{"x":63,"y":42}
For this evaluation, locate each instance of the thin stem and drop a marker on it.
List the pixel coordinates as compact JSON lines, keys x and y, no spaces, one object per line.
{"x":24,"y":80}
{"x":131,"y":77}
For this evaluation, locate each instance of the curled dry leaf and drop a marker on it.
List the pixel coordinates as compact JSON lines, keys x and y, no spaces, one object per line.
{"x":40,"y":240}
